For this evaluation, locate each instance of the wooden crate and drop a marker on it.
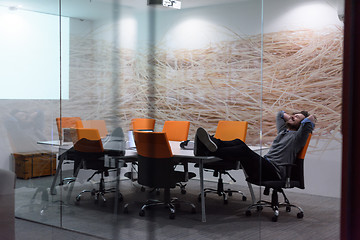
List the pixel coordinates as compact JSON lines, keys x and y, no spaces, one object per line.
{"x":34,"y":164}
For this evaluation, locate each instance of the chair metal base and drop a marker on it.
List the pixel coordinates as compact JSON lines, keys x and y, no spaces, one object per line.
{"x":99,"y":193}
{"x":172,"y":204}
{"x":225,"y":194}
{"x":275,"y":205}
{"x":221,"y":192}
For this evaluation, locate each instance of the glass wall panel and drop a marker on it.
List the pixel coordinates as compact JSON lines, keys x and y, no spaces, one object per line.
{"x":110,"y":61}
{"x":99,"y":63}
{"x":121,"y":60}
{"x":302,"y":70}
{"x":128,"y":60}
{"x":29,"y":102}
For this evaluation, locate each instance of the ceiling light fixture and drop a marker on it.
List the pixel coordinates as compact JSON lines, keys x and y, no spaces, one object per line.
{"x":172,"y":4}
{"x":13,"y":8}
{"x":166,"y":3}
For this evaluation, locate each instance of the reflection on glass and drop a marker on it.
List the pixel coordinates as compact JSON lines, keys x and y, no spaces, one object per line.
{"x":203,"y":63}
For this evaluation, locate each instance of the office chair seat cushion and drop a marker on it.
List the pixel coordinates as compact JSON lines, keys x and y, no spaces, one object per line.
{"x":221,"y":165}
{"x":178,"y":176}
{"x":274,"y":183}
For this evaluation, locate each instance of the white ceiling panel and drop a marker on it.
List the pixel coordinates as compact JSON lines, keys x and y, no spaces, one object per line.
{"x":94,"y":9}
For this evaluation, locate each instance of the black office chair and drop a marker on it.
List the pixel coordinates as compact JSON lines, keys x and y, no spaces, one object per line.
{"x":140,"y":124}
{"x":89,"y":153}
{"x":226,"y":130}
{"x":156,"y":169}
{"x":294,"y":178}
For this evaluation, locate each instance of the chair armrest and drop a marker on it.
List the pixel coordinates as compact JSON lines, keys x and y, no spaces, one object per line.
{"x":186,"y":169}
{"x":184,"y":163}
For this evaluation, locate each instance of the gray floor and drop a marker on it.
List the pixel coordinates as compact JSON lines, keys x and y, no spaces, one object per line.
{"x":87,"y":220}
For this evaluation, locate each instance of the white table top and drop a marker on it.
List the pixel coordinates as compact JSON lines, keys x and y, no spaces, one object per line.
{"x":175,"y":148}
{"x":55,"y":143}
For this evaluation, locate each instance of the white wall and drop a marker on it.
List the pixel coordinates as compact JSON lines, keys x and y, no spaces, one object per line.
{"x":294,"y":14}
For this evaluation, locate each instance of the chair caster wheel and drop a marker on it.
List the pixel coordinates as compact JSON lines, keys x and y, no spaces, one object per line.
{"x":172,"y":215}
{"x":248,"y":213}
{"x":288,"y":209}
{"x":274,"y":218}
{"x":230,"y":193}
{"x":259,"y":208}
{"x":244,"y":198}
{"x":226,"y":202}
{"x":183,"y":191}
{"x":42,"y":213}
{"x":77,"y":199}
{"x":300,"y":215}
{"x":142,"y":213}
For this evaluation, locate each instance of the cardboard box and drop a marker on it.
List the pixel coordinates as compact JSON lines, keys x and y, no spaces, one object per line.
{"x":34,"y":164}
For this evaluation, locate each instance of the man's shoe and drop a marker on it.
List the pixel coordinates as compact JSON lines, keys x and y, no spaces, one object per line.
{"x":203,"y":145}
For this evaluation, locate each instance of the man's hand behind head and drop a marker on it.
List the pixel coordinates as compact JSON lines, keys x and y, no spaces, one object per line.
{"x":312,"y":118}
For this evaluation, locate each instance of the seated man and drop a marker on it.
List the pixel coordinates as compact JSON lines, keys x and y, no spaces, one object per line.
{"x":293,"y":131}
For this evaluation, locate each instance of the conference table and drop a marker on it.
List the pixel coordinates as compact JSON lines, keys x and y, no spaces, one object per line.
{"x":182,"y":155}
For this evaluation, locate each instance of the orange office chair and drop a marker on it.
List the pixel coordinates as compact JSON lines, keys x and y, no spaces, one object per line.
{"x":226,"y":131}
{"x":67,"y":122}
{"x":142,"y":124}
{"x":89,"y":154}
{"x":139,"y":124}
{"x":178,"y":131}
{"x":294,"y":178}
{"x":156,"y":169}
{"x":98,"y":124}
{"x":72,"y":123}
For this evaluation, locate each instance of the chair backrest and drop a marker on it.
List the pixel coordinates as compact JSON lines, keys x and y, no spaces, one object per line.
{"x":302,"y":153}
{"x":298,"y":173}
{"x":155,"y":165}
{"x":142,"y":124}
{"x":88,"y":140}
{"x":152,"y":144}
{"x":230,"y":130}
{"x":67,"y":122}
{"x":98,"y":124}
{"x":176,"y":130}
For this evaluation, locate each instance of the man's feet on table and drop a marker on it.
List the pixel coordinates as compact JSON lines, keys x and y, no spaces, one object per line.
{"x":203,"y":145}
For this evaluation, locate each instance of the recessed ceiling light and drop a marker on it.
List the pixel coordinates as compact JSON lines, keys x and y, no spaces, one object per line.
{"x":13,"y":8}
{"x":172,"y":4}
